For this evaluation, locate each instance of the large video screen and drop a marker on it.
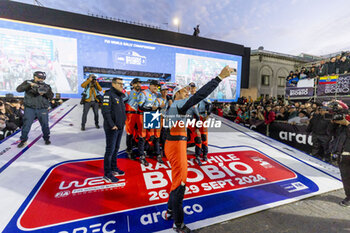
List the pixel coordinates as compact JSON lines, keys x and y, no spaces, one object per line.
{"x":63,"y":54}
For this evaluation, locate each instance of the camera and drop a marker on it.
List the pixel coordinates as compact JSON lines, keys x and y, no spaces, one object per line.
{"x":41,"y":88}
{"x":335,"y":113}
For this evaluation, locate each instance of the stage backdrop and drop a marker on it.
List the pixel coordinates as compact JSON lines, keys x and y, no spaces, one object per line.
{"x":62,"y":54}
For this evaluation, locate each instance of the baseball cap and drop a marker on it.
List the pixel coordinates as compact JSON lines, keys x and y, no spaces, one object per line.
{"x":154,"y":82}
{"x":178,"y":88}
{"x":40,"y":74}
{"x":135,"y":80}
{"x":192,"y":84}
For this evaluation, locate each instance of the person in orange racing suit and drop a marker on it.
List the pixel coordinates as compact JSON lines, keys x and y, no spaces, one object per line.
{"x":193,"y":133}
{"x":131,"y":105}
{"x":204,"y":109}
{"x":176,"y":145}
{"x":162,"y":103}
{"x":146,"y":103}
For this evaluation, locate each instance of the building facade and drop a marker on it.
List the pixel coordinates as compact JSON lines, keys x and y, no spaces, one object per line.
{"x":268,"y":73}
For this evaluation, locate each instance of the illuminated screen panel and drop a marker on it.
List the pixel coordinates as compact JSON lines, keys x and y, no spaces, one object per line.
{"x":63,"y":54}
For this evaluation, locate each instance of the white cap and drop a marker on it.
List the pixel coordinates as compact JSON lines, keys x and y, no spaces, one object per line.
{"x":178,"y":88}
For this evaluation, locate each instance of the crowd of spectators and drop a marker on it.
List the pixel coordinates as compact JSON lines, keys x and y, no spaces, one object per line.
{"x":11,"y":114}
{"x":307,"y":115}
{"x":339,"y":64}
{"x":246,"y":111}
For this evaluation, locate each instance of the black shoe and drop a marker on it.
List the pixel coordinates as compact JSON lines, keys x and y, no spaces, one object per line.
{"x":182,"y":229}
{"x":205,"y":158}
{"x":159,"y":159}
{"x":345,"y":203}
{"x":168,"y":215}
{"x":198,"y":161}
{"x":97,"y":126}
{"x":143,"y":160}
{"x":130,"y":154}
{"x":118,"y":172}
{"x":22,"y":144}
{"x":47,"y":142}
{"x":83,"y":127}
{"x":111,"y":178}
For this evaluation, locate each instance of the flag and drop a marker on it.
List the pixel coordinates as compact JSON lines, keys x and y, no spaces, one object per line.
{"x":329,"y":79}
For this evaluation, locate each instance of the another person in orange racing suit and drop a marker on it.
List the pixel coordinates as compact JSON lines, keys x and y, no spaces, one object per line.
{"x":132,"y":116}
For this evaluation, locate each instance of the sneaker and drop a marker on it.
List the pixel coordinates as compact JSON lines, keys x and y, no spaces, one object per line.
{"x":47,"y":142}
{"x":22,"y":144}
{"x":198,"y":161}
{"x":182,"y":229}
{"x":168,"y":215}
{"x":118,"y":172}
{"x":205,"y":158}
{"x":83,"y":127}
{"x":159,"y":159}
{"x":111,"y":178}
{"x":97,"y":126}
{"x":143,"y":160}
{"x":345,"y":203}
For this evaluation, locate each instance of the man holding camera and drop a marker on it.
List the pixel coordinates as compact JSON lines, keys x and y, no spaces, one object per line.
{"x":36,"y":104}
{"x":340,"y":145}
{"x":91,"y":99}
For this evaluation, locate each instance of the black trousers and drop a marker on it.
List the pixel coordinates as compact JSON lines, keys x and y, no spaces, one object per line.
{"x":29,"y":116}
{"x":320,"y":145}
{"x":87,"y":107}
{"x":344,"y":167}
{"x":175,"y":204}
{"x":113,"y":138}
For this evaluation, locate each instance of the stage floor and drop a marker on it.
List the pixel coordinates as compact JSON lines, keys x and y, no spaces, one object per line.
{"x":59,"y":188}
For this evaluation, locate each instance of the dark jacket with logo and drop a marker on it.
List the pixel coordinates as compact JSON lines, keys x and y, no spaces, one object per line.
{"x":113,"y":109}
{"x":32,"y":98}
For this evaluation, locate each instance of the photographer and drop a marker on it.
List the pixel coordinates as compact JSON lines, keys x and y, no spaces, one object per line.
{"x":340,"y":145}
{"x":36,"y":104}
{"x":91,"y":99}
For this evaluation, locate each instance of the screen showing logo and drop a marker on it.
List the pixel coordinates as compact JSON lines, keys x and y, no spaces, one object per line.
{"x":151,"y":120}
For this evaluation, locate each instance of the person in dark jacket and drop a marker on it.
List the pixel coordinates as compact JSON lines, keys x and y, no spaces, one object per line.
{"x":312,"y":73}
{"x":332,"y":66}
{"x":340,"y":130}
{"x":344,"y":65}
{"x":318,"y":127}
{"x":322,"y":70}
{"x":36,"y":104}
{"x":113,"y":111}
{"x":15,"y":107}
{"x":282,"y":114}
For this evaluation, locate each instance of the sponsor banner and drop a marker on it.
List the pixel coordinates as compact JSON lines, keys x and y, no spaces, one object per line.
{"x":292,"y":135}
{"x":334,"y":85}
{"x":299,"y":91}
{"x":73,"y":196}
